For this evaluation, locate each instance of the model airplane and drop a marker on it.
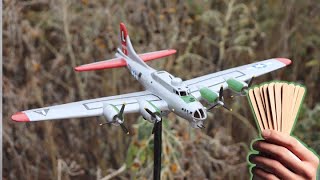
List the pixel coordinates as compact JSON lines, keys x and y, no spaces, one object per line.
{"x":164,"y":92}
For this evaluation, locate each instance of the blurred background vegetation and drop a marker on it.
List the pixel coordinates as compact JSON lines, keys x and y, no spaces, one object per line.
{"x":44,"y":39}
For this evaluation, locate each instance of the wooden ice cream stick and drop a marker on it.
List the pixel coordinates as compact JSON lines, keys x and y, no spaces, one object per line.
{"x":273,"y":105}
{"x":255,"y":108}
{"x":289,"y":93}
{"x":267,"y":106}
{"x":301,"y":93}
{"x":295,"y":97}
{"x":284,"y":106}
{"x":278,"y":102}
{"x":262,"y":96}
{"x":260,"y":107}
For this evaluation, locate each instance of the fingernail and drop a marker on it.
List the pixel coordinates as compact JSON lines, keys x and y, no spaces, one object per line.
{"x":266,"y":133}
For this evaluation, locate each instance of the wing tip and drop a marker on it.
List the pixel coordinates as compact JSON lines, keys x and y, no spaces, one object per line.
{"x":78,"y":68}
{"x":284,"y":61}
{"x":20,"y":117}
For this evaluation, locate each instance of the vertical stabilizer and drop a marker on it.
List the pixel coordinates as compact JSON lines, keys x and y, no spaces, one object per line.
{"x":127,"y":48}
{"x":123,"y":38}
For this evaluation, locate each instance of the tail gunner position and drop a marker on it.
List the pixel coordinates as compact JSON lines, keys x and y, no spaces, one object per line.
{"x":164,"y":93}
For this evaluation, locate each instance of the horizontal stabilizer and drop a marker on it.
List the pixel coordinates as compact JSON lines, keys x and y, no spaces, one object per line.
{"x":119,"y":62}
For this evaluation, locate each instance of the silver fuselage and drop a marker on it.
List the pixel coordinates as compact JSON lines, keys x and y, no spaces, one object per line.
{"x":186,"y":106}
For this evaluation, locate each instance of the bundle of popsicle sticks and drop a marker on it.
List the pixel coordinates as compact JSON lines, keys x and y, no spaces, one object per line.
{"x":276,"y":104}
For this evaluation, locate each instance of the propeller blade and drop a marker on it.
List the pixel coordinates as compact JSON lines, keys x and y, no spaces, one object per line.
{"x":120,"y":115}
{"x":251,"y":80}
{"x":101,"y":124}
{"x":221,"y":93}
{"x":213,"y":106}
{"x":151,"y":113}
{"x":125,"y":130}
{"x":226,"y":108}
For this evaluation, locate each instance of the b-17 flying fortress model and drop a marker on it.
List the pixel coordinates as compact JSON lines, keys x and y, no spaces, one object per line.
{"x":164,"y":92}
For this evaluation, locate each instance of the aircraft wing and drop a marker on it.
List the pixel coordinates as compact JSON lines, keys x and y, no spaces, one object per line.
{"x":89,"y":108}
{"x":242,"y":73}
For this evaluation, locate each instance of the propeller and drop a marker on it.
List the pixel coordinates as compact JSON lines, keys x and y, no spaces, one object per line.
{"x":154,"y":116}
{"x":220,"y":101}
{"x":251,"y":80}
{"x":119,"y":119}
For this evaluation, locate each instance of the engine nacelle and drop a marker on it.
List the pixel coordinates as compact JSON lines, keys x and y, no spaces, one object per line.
{"x":143,"y":105}
{"x":237,"y":86}
{"x":208,"y":95}
{"x":110,"y":112}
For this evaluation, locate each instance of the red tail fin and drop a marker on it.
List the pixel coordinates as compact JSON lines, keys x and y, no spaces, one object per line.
{"x":123,"y":38}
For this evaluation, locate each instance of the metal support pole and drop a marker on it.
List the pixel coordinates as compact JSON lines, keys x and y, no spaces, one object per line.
{"x":157,"y":150}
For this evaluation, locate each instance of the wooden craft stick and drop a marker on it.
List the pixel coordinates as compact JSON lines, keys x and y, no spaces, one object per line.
{"x":262,"y":96}
{"x":284,"y":101}
{"x":267,"y":106}
{"x":295,"y":97}
{"x":278,"y":102}
{"x":301,"y":93}
{"x":260,"y":107}
{"x":273,"y":106}
{"x":255,"y":108}
{"x":288,"y":94}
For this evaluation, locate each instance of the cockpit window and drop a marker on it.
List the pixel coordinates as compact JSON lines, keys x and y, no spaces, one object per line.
{"x":183,"y":93}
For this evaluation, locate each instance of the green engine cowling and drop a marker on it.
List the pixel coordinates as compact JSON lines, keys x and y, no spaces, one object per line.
{"x":208,"y":95}
{"x":236,"y":85}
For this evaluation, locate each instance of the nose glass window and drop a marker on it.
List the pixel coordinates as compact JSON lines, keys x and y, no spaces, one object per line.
{"x":201,"y":112}
{"x":196,"y":114}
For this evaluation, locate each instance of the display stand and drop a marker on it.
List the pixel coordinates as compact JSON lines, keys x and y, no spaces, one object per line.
{"x":157,"y":150}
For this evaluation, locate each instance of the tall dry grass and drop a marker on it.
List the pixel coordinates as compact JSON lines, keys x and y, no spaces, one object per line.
{"x":43,"y":40}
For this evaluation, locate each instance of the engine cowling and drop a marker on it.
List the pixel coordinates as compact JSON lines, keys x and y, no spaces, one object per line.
{"x":143,"y":105}
{"x":110,"y":112}
{"x":237,"y":86}
{"x":208,"y":95}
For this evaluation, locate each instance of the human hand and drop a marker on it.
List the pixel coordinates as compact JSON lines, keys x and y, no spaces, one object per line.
{"x":282,"y":157}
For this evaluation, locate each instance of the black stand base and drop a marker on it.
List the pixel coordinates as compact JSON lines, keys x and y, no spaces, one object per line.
{"x":157,"y":150}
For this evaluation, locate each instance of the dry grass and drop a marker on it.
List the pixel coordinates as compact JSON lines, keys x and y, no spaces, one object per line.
{"x":44,"y":39}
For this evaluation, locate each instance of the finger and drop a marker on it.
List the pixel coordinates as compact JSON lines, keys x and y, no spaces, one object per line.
{"x":272,"y":166}
{"x":281,"y":154}
{"x":291,"y":144}
{"x":259,"y":173}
